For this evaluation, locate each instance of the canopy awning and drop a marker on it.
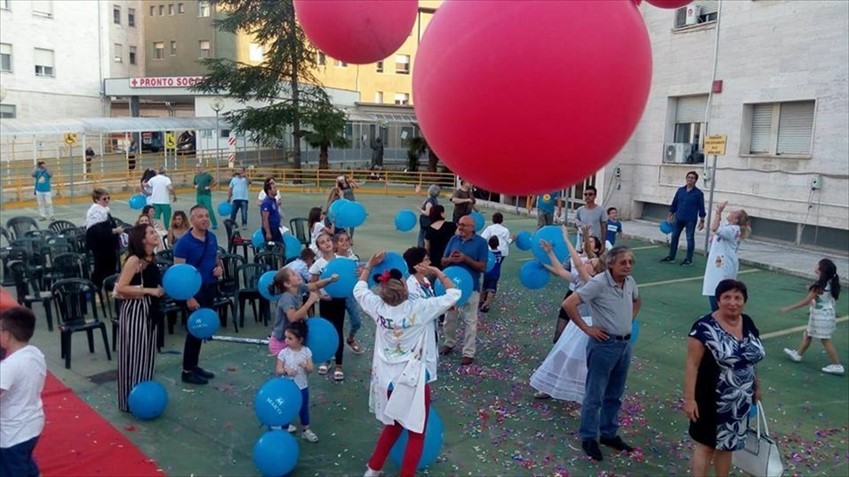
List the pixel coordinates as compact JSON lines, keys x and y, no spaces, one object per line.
{"x":31,"y":127}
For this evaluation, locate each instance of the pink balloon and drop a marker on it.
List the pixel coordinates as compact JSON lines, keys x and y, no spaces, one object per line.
{"x":671,"y":4}
{"x":357,"y":31}
{"x":528,"y":97}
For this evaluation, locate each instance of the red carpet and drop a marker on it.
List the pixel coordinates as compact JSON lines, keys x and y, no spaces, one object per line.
{"x":77,"y":441}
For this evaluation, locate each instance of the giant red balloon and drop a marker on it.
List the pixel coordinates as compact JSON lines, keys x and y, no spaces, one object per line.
{"x":7,"y":301}
{"x":357,"y":31}
{"x":669,"y":3}
{"x":528,"y":97}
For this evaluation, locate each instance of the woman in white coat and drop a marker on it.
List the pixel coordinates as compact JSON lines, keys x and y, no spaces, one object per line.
{"x":722,"y":262}
{"x":399,"y":394}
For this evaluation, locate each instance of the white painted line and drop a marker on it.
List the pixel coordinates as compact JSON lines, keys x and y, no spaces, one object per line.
{"x":645,"y":247}
{"x":679,"y":280}
{"x":795,"y":329}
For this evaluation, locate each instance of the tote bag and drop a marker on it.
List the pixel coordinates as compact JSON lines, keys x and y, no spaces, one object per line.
{"x":760,"y":457}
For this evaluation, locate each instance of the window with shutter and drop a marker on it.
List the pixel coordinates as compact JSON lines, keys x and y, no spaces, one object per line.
{"x":691,"y":109}
{"x":761,"y":128}
{"x":795,"y":128}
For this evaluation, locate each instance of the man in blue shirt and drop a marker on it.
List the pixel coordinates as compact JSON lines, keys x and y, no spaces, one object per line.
{"x":546,"y":204}
{"x":42,"y":191}
{"x":239,"y":196}
{"x":270,"y":212}
{"x":687,"y":206}
{"x":466,"y":250}
{"x":199,"y":248}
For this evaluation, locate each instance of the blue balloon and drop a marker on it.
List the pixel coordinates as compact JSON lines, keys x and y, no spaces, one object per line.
{"x":462,"y":280}
{"x":347,"y":271}
{"x":181,"y":281}
{"x":635,"y":330}
{"x":276,"y":453}
{"x":665,"y":227}
{"x":137,"y":202}
{"x":533,"y":275}
{"x":480,"y":221}
{"x":264,"y":285}
{"x":554,"y":236}
{"x":203,"y":323}
{"x":224,"y":209}
{"x":277,"y":402}
{"x":322,"y":339}
{"x":258,"y":239}
{"x":390,"y":260}
{"x":350,"y":215}
{"x":524,"y":240}
{"x":293,"y":246}
{"x":433,"y":437}
{"x":334,"y":209}
{"x":405,"y":220}
{"x":148,"y":400}
{"x":490,"y":260}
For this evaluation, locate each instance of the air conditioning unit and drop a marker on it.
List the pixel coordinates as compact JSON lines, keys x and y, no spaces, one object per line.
{"x":691,"y":16}
{"x":677,"y":153}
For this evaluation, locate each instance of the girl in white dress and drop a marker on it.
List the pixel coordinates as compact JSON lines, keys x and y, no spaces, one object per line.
{"x":722,"y":262}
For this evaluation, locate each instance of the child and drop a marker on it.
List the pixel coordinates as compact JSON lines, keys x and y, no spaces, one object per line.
{"x":343,"y":250}
{"x":302,"y":264}
{"x":22,"y":375}
{"x":500,"y":231}
{"x":332,"y":309}
{"x":490,"y":278}
{"x":315,"y":222}
{"x":821,"y":323}
{"x":295,"y":361}
{"x":614,"y":228}
{"x":290,"y":306}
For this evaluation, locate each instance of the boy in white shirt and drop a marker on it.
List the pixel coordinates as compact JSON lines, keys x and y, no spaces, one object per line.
{"x":22,"y":375}
{"x":500,"y":231}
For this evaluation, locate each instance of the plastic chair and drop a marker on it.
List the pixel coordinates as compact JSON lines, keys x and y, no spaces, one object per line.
{"x":249,"y":274}
{"x":165,"y":255}
{"x":235,"y":239}
{"x":113,"y":307}
{"x":27,"y":288}
{"x":20,"y":225}
{"x":298,"y":227}
{"x":273,"y":260}
{"x":59,"y":227}
{"x":74,"y":299}
{"x":66,"y":265}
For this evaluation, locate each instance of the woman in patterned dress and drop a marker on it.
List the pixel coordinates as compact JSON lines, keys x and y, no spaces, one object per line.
{"x":720,"y":381}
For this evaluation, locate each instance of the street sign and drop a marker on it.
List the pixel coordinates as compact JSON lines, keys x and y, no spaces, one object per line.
{"x":715,"y":144}
{"x":71,"y":138}
{"x":170,"y":141}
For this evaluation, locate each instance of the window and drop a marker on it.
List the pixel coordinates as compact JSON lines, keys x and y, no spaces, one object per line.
{"x":161,"y":10}
{"x":116,"y":14}
{"x":340,"y":64}
{"x":181,"y":9}
{"x":204,"y":48}
{"x":700,"y":11}
{"x":159,"y":50}
{"x":118,"y":52}
{"x":153,"y":10}
{"x":7,"y":111}
{"x":131,"y":17}
{"x":132,"y":55}
{"x":203,"y":8}
{"x":170,"y":8}
{"x":402,"y":98}
{"x":256,"y":52}
{"x":42,"y":8}
{"x":689,"y":128}
{"x":378,"y":97}
{"x":321,"y":59}
{"x":379,"y":67}
{"x":5,"y":57}
{"x":44,"y":62}
{"x":402,"y":64}
{"x":173,"y":48}
{"x":780,"y":129}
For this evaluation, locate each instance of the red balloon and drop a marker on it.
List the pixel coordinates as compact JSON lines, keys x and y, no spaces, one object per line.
{"x":528,"y":97}
{"x":671,"y":4}
{"x":6,"y":300}
{"x":357,"y":31}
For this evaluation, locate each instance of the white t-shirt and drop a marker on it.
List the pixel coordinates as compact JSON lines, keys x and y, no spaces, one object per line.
{"x":22,"y":376}
{"x":293,"y":359}
{"x":316,"y":269}
{"x":159,"y":185}
{"x":504,"y":239}
{"x":262,"y":195}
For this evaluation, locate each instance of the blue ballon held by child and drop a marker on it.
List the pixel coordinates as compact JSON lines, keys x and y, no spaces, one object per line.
{"x":148,"y":400}
{"x":350,"y":215}
{"x":345,"y":270}
{"x":390,"y":260}
{"x":181,"y":281}
{"x":293,"y":246}
{"x":137,"y":202}
{"x":322,"y":339}
{"x":334,"y":209}
{"x":533,"y":275}
{"x":523,"y":240}
{"x":462,"y":280}
{"x":277,"y":402}
{"x":554,"y":236}
{"x":203,"y":323}
{"x":405,"y":220}
{"x":264,"y":284}
{"x":433,"y":436}
{"x":490,"y":261}
{"x":480,"y":221}
{"x":276,"y":453}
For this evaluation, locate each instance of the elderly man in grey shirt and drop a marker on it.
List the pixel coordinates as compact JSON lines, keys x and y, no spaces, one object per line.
{"x":614,"y":302}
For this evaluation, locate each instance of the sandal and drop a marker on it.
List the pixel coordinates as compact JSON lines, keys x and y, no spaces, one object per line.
{"x":338,"y":375}
{"x":541,"y":395}
{"x":323,"y":369}
{"x":353,"y":346}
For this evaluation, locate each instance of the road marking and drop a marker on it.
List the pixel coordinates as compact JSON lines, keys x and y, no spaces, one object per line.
{"x":679,"y":280}
{"x":645,"y":247}
{"x":795,"y":329}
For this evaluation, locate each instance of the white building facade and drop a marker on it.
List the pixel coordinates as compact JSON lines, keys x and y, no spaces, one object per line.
{"x":781,"y":96}
{"x":54,"y":55}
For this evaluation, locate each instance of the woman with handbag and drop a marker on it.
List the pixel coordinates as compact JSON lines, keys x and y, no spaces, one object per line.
{"x":404,"y":360}
{"x":720,"y":380}
{"x":102,"y":236}
{"x":139,"y":288}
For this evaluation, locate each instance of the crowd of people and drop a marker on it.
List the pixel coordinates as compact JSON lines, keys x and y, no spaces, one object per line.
{"x":588,"y":363}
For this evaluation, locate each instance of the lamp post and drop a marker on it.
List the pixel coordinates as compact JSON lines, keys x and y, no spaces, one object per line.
{"x":217,"y":105}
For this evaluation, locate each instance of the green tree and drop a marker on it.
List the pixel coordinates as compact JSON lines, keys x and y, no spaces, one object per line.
{"x":327,"y":129}
{"x":284,"y":78}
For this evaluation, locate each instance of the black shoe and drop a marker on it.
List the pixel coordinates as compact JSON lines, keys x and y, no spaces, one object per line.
{"x":194,"y":378}
{"x":203,"y":373}
{"x":484,"y":309}
{"x":667,"y":260}
{"x":590,"y":447}
{"x":616,"y":443}
{"x":687,"y":263}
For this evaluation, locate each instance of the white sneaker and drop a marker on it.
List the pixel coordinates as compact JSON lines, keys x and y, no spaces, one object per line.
{"x":309,"y":436}
{"x":292,"y":428}
{"x":833,"y":369}
{"x":793,"y":354}
{"x":372,"y":473}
